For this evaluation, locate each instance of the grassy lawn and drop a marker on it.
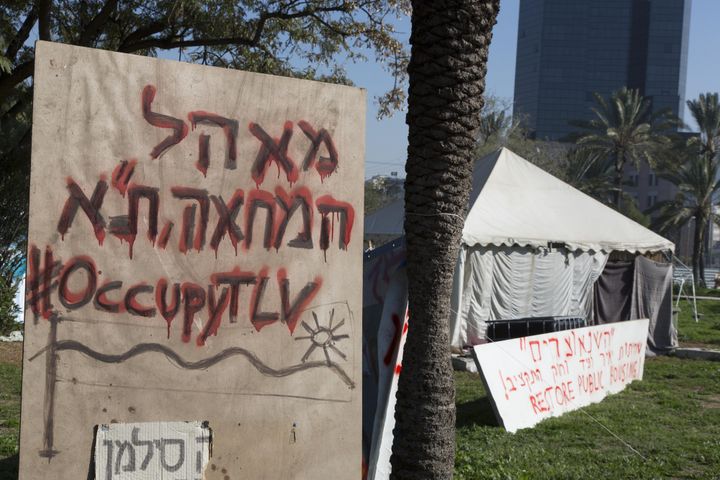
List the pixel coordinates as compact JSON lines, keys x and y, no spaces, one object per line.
{"x":672,"y":418}
{"x":10,"y":355}
{"x":705,"y":332}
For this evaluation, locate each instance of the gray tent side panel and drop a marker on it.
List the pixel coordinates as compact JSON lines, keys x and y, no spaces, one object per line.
{"x":613,"y":292}
{"x":652,"y":299}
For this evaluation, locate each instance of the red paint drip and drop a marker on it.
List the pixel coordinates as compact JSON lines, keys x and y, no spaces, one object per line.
{"x":395,"y":343}
{"x":121,"y":175}
{"x":128,"y":237}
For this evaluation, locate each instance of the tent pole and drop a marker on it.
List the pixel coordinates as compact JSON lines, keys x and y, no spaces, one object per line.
{"x":695,"y":302}
{"x":692,"y":278}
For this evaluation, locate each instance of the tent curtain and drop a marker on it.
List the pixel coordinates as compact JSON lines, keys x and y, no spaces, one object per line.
{"x":652,"y":299}
{"x":613,"y":292}
{"x":493,"y":283}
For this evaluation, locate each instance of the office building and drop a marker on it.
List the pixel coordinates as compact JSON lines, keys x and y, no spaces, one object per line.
{"x":568,"y":49}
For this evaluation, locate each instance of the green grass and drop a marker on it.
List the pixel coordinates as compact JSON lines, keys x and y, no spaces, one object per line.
{"x":707,"y":330}
{"x":672,"y":418}
{"x":10,"y":381}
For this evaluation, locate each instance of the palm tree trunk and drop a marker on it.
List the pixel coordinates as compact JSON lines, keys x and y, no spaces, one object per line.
{"x":619,"y":167}
{"x":450,"y":41}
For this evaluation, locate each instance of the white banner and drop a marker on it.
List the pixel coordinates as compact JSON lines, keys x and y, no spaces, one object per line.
{"x":392,"y":334}
{"x":533,"y":378}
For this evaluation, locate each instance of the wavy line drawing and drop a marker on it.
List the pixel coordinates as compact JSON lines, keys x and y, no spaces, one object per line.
{"x":142,"y":348}
{"x":53,"y":346}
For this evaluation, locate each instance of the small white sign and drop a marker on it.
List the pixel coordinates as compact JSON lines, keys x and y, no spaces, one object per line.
{"x":154,"y":450}
{"x":533,"y":378}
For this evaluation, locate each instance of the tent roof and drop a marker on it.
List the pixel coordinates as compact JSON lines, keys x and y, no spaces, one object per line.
{"x":515,"y":202}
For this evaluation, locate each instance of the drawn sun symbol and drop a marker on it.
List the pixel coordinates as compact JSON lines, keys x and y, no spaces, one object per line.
{"x":323,"y":337}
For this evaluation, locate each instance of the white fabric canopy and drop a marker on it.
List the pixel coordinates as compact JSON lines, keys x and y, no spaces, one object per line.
{"x":515,"y":202}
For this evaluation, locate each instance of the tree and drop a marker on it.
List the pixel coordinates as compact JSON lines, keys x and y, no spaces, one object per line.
{"x":706,"y":112}
{"x":299,"y":38}
{"x":381,"y":191}
{"x":698,"y":184}
{"x":697,"y":180}
{"x":626,"y":130}
{"x":589,"y":172}
{"x":497,"y":125}
{"x":13,"y":222}
{"x":499,"y":128}
{"x":8,"y":309}
{"x":593,"y":174}
{"x":450,"y":41}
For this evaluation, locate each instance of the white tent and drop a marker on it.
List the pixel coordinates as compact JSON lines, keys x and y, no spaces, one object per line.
{"x":513,"y":202}
{"x":532,"y":246}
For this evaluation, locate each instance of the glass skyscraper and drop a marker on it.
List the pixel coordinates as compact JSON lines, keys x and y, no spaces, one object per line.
{"x":568,"y":49}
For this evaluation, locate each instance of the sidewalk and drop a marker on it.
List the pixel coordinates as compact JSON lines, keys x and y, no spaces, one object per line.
{"x":696,"y":353}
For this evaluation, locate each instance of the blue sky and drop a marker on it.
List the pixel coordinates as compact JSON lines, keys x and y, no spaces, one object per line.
{"x":386,"y":140}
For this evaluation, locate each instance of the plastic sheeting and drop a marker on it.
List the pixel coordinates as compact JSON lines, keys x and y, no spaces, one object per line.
{"x":392,"y":334}
{"x":383,"y":274}
{"x":384,"y":332}
{"x":493,"y":283}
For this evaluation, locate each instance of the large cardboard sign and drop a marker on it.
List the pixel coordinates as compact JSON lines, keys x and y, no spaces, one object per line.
{"x":194,"y":254}
{"x":533,"y":378}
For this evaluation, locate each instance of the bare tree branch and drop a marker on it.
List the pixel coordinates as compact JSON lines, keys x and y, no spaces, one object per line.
{"x":88,"y":36}
{"x":19,"y":74}
{"x":149,"y":29}
{"x":44,"y":18}
{"x":170,"y":43}
{"x":22,"y":35}
{"x":130,"y":45}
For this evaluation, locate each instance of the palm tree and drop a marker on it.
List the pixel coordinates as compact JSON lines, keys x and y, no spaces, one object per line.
{"x":706,"y":112}
{"x":589,"y":172}
{"x":493,"y":125}
{"x":697,"y":183}
{"x":697,"y":180}
{"x":593,"y":174}
{"x":450,"y":42}
{"x":497,"y":126}
{"x":626,"y":130}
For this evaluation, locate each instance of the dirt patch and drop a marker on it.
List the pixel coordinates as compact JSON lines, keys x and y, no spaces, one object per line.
{"x":711,"y":401}
{"x":11,"y":352}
